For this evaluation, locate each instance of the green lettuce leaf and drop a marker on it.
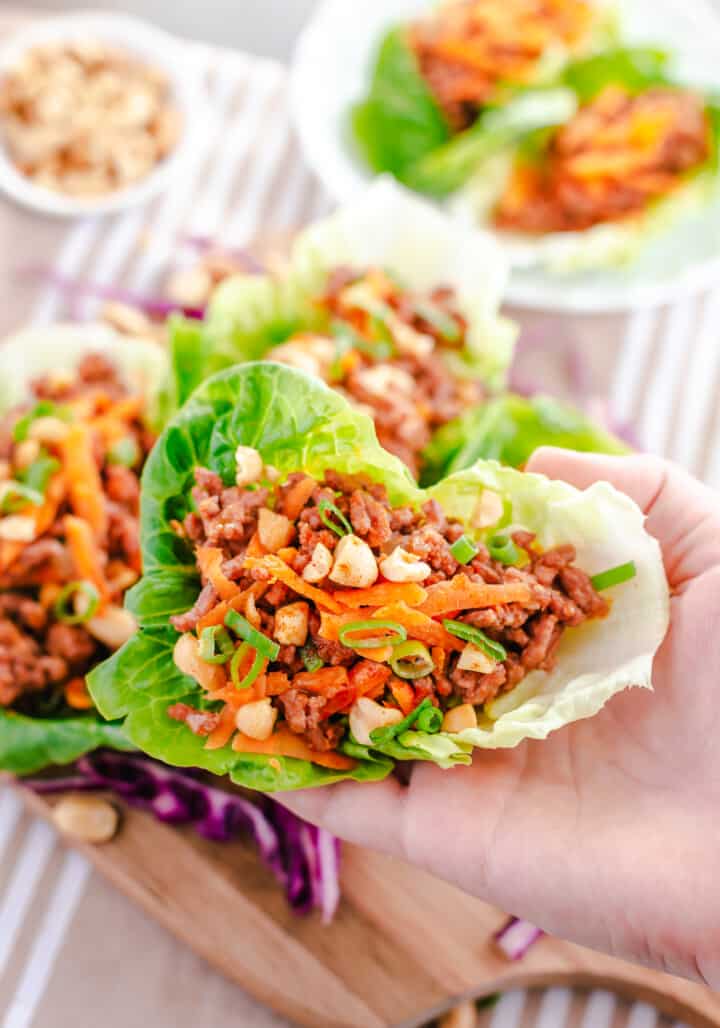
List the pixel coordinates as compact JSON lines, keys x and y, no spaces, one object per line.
{"x":400,"y":120}
{"x":298,"y":423}
{"x":448,"y":167}
{"x":386,"y":226}
{"x":29,"y":744}
{"x":509,"y":429}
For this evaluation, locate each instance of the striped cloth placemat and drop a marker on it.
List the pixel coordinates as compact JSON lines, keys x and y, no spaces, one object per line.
{"x":72,"y":950}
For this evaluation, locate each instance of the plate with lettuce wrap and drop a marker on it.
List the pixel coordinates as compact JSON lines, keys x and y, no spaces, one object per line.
{"x":580,"y":140}
{"x":397,"y":309}
{"x":79,"y":407}
{"x":309,"y":614}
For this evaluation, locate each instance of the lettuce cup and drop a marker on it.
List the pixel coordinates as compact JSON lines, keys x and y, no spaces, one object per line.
{"x":79,"y":408}
{"x":397,"y":309}
{"x":309,"y":614}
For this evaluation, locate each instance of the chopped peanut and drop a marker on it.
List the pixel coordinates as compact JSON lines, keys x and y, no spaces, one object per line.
{"x":274,"y":530}
{"x":26,"y":452}
{"x":87,"y":818}
{"x":248,"y":466}
{"x":401,"y":566}
{"x":188,"y":660}
{"x":472,"y":658}
{"x":48,"y":430}
{"x":354,"y":564}
{"x":17,"y":528}
{"x":488,"y":510}
{"x":257,"y":720}
{"x":366,"y":715}
{"x":320,"y":564}
{"x":459,"y":718}
{"x":291,"y":624}
{"x":113,"y":627}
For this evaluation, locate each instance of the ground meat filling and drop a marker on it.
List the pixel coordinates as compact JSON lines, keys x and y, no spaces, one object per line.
{"x":387,"y":353}
{"x":315,"y":679}
{"x":469,"y":47}
{"x":616,"y":156}
{"x":43,"y":659}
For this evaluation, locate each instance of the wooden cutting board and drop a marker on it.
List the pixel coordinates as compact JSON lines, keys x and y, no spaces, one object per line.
{"x":403,"y":948}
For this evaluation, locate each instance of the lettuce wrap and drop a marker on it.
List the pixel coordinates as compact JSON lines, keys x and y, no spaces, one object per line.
{"x":29,"y":743}
{"x":608,"y":243}
{"x":386,"y":227}
{"x":298,"y":425}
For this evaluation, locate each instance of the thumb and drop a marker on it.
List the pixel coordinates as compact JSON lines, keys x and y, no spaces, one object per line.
{"x":682,"y":513}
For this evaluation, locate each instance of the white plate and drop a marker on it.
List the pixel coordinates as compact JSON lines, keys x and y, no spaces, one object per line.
{"x":330,"y":73}
{"x":151,"y":45}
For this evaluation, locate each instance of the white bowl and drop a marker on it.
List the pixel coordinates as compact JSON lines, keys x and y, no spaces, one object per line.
{"x":151,"y":45}
{"x":330,"y":73}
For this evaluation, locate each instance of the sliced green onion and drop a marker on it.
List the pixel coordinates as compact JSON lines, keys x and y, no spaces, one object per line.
{"x":463,"y":550}
{"x":387,"y":733}
{"x":242,"y":627}
{"x":429,"y":720}
{"x":37,"y":474}
{"x":495,"y":650}
{"x":125,"y":452}
{"x":255,"y":668}
{"x":43,"y":409}
{"x":64,"y":606}
{"x":399,"y":636}
{"x":216,"y":646}
{"x":348,"y":339}
{"x":326,"y":508}
{"x":14,"y":496}
{"x":502,"y":549}
{"x":614,"y":576}
{"x":444,"y":324}
{"x":411,"y":659}
{"x":384,"y":345}
{"x":310,"y":658}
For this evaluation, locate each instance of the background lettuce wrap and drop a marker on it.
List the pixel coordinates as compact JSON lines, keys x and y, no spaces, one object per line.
{"x":28,"y":744}
{"x":249,"y":315}
{"x":385,"y":227}
{"x":299,"y":424}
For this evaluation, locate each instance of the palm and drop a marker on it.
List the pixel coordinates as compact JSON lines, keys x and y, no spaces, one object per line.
{"x":605,"y":832}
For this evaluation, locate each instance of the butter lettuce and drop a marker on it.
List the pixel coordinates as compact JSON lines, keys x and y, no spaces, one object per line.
{"x":385,"y":226}
{"x":298,"y":423}
{"x":509,"y":429}
{"x":27,"y":744}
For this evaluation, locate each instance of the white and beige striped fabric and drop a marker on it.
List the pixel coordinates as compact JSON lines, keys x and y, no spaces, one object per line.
{"x":72,"y":950}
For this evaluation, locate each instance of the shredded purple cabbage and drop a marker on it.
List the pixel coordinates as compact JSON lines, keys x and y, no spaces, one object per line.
{"x":516,"y":937}
{"x":153,"y":306}
{"x":304,"y":859}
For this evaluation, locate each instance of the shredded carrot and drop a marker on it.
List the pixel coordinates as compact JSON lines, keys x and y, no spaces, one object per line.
{"x":404,"y":694}
{"x":369,"y":679}
{"x":84,"y":483}
{"x":216,"y":616}
{"x":76,"y":694}
{"x":321,"y":681}
{"x":277,"y":683}
{"x":459,"y":593}
{"x":297,"y":496}
{"x":379,"y":595}
{"x":209,"y":560}
{"x":221,"y":735}
{"x":255,"y":548}
{"x":340,"y":702}
{"x":251,"y":612}
{"x":43,"y":516}
{"x":85,"y":553}
{"x":279,"y":569}
{"x":439,"y":657}
{"x":283,"y":743}
{"x":287,"y":553}
{"x":419,"y":626}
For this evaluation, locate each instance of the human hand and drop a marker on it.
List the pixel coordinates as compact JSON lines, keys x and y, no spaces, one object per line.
{"x":607,"y":832}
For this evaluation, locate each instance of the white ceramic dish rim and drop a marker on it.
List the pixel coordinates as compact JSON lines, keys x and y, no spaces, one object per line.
{"x":326,"y":155}
{"x":151,"y":44}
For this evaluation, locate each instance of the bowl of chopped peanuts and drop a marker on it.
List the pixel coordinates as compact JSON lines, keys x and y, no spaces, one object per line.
{"x":98,"y":111}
